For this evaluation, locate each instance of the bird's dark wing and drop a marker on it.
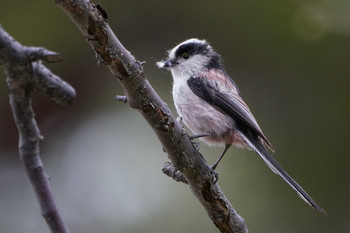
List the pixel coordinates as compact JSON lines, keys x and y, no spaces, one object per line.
{"x":232,"y":105}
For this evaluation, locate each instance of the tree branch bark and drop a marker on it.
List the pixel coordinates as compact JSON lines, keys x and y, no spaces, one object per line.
{"x":25,"y":74}
{"x":91,"y":19}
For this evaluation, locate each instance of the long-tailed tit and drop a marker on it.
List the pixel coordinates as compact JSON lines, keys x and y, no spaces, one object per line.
{"x":209,"y":103}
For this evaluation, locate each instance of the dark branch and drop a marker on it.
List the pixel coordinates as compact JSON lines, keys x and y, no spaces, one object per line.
{"x":24,"y":76}
{"x":39,"y":53}
{"x":141,"y":96}
{"x":51,"y":86}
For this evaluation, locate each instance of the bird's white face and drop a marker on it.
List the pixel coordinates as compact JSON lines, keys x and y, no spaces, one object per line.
{"x":188,"y":58}
{"x":189,"y":67}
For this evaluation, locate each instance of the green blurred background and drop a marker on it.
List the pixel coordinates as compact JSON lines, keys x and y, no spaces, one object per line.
{"x":291,"y":62}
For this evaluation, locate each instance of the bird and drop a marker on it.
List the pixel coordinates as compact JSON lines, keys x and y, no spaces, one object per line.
{"x":209,"y":103}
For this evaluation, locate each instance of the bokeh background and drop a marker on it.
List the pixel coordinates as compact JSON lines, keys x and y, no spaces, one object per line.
{"x":291,"y":62}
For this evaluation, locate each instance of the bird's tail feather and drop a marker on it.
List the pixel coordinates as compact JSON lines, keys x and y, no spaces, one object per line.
{"x":256,"y":144}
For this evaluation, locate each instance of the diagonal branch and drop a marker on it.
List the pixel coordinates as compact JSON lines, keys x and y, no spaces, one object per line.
{"x":24,"y":76}
{"x":91,"y":20}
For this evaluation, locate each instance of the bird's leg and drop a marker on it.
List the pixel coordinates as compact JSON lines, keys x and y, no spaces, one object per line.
{"x":196,"y":144}
{"x":221,"y":156}
{"x":199,"y":136}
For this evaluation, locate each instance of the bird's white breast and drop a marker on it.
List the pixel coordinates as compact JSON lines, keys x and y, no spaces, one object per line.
{"x":199,"y":116}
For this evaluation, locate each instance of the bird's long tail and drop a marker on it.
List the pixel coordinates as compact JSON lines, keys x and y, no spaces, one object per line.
{"x":255,"y":143}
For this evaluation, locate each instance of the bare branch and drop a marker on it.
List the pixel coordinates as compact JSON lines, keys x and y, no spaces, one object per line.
{"x":24,"y":76}
{"x":39,"y":53}
{"x":91,"y":20}
{"x":51,"y":86}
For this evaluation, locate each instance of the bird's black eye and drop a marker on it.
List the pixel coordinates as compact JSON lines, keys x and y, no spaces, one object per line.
{"x":185,"y":56}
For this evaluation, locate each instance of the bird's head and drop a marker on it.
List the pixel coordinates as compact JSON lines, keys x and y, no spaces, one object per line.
{"x":190,"y":58}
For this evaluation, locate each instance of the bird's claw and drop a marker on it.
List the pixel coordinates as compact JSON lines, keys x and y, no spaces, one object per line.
{"x":196,"y":144}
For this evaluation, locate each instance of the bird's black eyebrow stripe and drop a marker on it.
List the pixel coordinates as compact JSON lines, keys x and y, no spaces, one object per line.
{"x":191,"y":48}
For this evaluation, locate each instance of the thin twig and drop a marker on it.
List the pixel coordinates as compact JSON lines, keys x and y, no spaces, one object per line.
{"x":91,"y":21}
{"x":24,"y":76}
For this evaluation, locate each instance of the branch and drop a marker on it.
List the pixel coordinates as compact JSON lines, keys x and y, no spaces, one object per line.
{"x":24,"y":74}
{"x":91,"y":20}
{"x":170,"y":170}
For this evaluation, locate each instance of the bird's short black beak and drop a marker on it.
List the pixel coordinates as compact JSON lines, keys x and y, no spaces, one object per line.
{"x":168,"y":63}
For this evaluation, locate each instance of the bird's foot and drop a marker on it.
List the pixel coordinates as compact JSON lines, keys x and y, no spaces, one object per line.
{"x":196,"y":144}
